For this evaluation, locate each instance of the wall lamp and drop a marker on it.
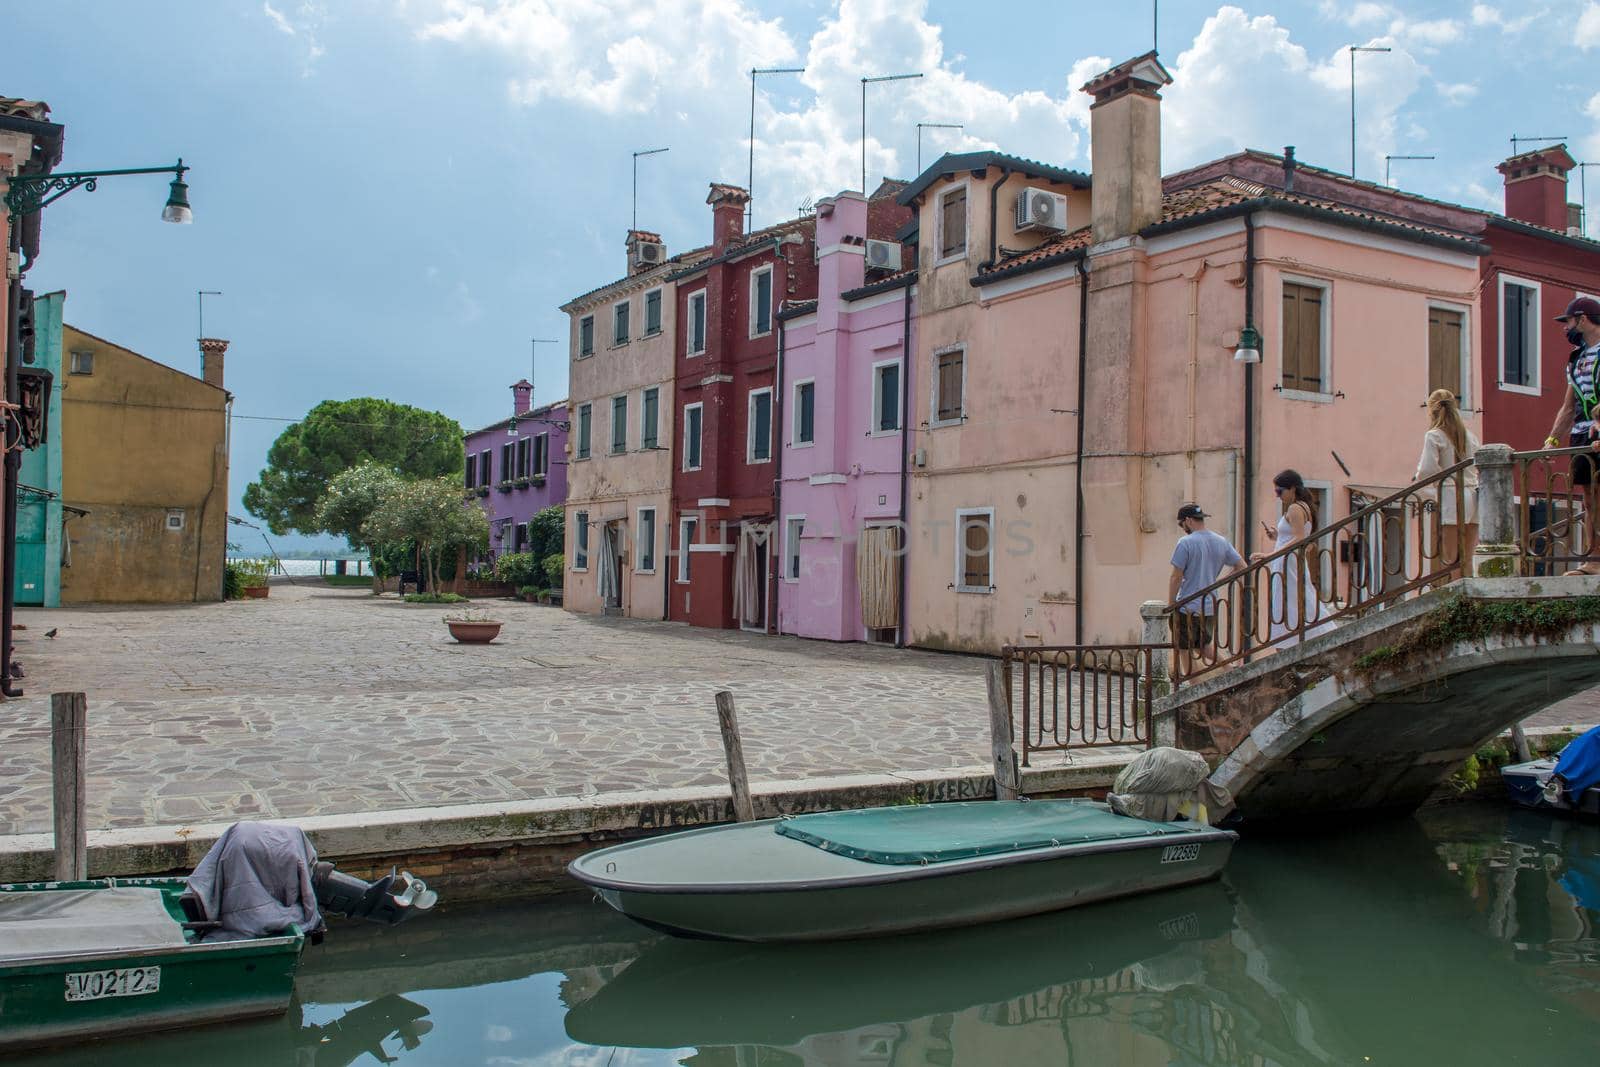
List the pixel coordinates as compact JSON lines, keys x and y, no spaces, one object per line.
{"x":30,"y":192}
{"x":1248,"y":350}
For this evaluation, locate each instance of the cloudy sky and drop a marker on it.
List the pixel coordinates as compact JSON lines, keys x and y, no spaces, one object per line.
{"x":394,"y":196}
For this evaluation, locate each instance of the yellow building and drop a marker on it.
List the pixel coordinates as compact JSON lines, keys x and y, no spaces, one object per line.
{"x":144,"y":450}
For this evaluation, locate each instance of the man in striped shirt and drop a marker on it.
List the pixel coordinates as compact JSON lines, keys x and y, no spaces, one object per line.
{"x":1575,"y":423}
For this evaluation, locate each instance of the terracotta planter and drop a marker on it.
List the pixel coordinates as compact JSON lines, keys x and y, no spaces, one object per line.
{"x":257,"y":592}
{"x":474,"y":633}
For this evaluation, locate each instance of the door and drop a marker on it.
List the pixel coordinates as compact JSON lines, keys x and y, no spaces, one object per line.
{"x":750,"y":578}
{"x":612,"y":537}
{"x":30,"y":549}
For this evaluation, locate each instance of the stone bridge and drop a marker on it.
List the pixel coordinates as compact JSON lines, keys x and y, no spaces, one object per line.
{"x":1377,"y":713}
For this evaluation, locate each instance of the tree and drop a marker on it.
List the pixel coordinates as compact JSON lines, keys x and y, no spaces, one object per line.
{"x":430,"y":512}
{"x":351,"y":499}
{"x":547,"y":531}
{"x":337,"y":435}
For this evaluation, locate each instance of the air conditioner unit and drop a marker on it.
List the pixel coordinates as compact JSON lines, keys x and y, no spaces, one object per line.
{"x":884,"y":255}
{"x":1039,"y":210}
{"x":649,"y":254}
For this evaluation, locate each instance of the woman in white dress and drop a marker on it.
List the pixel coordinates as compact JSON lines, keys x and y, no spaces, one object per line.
{"x":1292,"y":591}
{"x":1448,"y":442}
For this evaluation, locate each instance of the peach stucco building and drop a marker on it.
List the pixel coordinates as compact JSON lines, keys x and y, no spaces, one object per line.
{"x":1042,"y":499}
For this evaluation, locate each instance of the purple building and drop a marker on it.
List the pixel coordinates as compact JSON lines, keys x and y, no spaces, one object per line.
{"x":518,"y":467}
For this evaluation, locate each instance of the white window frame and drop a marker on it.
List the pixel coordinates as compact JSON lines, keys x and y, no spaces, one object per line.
{"x":621,"y":305}
{"x":579,"y":453}
{"x":877,"y":399}
{"x":1464,"y":394}
{"x":179,"y":515}
{"x":688,"y":526}
{"x":580,"y":541}
{"x":1325,"y":332}
{"x":661,"y":311}
{"x":589,"y":318}
{"x":961,"y":549}
{"x":1500,"y":318}
{"x":934,"y":421}
{"x":700,"y":406}
{"x":750,"y":424}
{"x":643,"y":393}
{"x":639,"y":551}
{"x":541,"y":452}
{"x":791,"y":547}
{"x":611,"y":442}
{"x":794,"y":394}
{"x":938,"y":224}
{"x":81,"y":362}
{"x":699,"y":295}
{"x":772,"y":302}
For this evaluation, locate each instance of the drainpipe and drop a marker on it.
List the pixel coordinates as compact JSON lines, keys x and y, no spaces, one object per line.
{"x":1194,"y":375}
{"x":1077,"y":509}
{"x":1247,"y":531}
{"x":13,"y":465}
{"x":994,"y":213}
{"x":905,"y":470}
{"x":775,"y":625}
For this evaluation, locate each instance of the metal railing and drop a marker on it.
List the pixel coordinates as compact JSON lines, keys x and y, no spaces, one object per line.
{"x":1378,"y":554}
{"x":1553,"y":531}
{"x":1080,"y":696}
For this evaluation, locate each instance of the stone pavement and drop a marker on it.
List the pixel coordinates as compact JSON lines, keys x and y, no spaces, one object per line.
{"x":323,"y":701}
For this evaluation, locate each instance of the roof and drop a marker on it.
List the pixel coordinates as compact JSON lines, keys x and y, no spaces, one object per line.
{"x":743,"y":246}
{"x":950,"y":164}
{"x":644,"y":235}
{"x":721,"y":191}
{"x":37,"y":110}
{"x":136,"y":355}
{"x":682,"y":259}
{"x":1141,"y":72}
{"x":526,"y":416}
{"x":898,"y":280}
{"x":1555,"y":155}
{"x":795,"y":308}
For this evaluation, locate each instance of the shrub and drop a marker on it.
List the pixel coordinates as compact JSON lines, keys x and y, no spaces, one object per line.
{"x":232,"y":582}
{"x":252,"y":573}
{"x":519,"y":568}
{"x":435,"y":598}
{"x":529,"y":590}
{"x":555,"y":567}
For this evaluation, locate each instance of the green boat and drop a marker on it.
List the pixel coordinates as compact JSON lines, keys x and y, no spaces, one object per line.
{"x":879,"y":871}
{"x":116,"y":956}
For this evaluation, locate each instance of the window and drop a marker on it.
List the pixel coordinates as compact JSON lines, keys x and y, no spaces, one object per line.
{"x":485,"y":476}
{"x":691,"y":436}
{"x":974,"y":550}
{"x":580,"y":541}
{"x":175,"y":519}
{"x":652,"y":312}
{"x":507,"y":460}
{"x":519,"y":537}
{"x":522,"y":457}
{"x":472,"y":471}
{"x":619,"y":324}
{"x":650,"y":418}
{"x":1303,"y":363}
{"x":793,"y":527}
{"x":805,"y":413}
{"x":541,"y":455}
{"x":1447,"y":351}
{"x":759,"y":428}
{"x":953,"y":223}
{"x":886,"y":397}
{"x":687,"y":525}
{"x":761,"y":302}
{"x":1519,"y":335}
{"x":584,"y":413}
{"x":645,"y":555}
{"x":586,"y":336}
{"x":696,"y":334}
{"x":619,"y":424}
{"x":949,"y":386}
{"x":82,"y":363}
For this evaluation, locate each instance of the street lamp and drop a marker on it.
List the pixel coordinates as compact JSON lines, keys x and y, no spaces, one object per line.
{"x":864,"y":83}
{"x":1353,"y":50}
{"x":30,"y":192}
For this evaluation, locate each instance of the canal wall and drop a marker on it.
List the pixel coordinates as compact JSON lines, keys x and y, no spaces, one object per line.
{"x":506,"y":850}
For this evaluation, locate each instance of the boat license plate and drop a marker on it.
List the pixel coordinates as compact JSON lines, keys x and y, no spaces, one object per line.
{"x":118,"y":982}
{"x":1180,"y":853}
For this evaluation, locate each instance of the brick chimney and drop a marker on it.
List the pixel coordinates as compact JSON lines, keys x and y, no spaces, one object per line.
{"x":212,"y":353}
{"x":641,"y":256}
{"x":1125,"y":146}
{"x":1536,"y":186}
{"x":727,"y":214}
{"x":521,"y":397}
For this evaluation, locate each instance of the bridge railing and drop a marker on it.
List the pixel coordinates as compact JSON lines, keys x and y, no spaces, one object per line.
{"x":1380,"y":553}
{"x":1554,"y":532}
{"x":1082,"y":696}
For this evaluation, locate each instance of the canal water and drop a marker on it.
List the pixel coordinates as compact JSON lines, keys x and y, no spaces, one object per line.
{"x":1467,"y":935}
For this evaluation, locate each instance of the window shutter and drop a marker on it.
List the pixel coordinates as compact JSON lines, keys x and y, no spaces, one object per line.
{"x":1444,"y":350}
{"x":950,"y":399}
{"x":953,"y":224}
{"x":1302,"y":338}
{"x":975,"y":554}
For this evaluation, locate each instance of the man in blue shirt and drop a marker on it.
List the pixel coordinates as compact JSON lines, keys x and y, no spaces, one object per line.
{"x":1197,"y":561}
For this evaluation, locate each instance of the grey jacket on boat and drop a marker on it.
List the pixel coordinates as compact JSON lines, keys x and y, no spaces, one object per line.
{"x":256,"y":880}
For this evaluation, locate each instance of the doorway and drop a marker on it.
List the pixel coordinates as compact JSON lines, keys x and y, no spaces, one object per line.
{"x":612,"y":537}
{"x":750,"y":563}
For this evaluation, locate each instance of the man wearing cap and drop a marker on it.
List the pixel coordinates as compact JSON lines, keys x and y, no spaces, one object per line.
{"x":1197,"y":560}
{"x":1575,"y":424}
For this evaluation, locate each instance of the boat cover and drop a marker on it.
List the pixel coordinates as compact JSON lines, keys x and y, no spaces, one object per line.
{"x":52,"y":922}
{"x":256,"y":881}
{"x":931,"y":834}
{"x":1579,"y":765}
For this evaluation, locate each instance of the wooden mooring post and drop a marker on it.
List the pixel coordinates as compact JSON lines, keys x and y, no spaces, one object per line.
{"x":743,"y":809}
{"x":69,"y":717}
{"x":1007,"y":778}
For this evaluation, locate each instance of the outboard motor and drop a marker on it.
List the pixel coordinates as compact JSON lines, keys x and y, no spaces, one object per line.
{"x":392,"y":899}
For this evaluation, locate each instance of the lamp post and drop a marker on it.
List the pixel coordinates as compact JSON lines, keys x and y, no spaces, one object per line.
{"x":750,"y":180}
{"x":864,"y":83}
{"x":636,"y":155}
{"x":932,"y":126}
{"x":30,"y":192}
{"x":1389,"y":159}
{"x":1353,"y":50}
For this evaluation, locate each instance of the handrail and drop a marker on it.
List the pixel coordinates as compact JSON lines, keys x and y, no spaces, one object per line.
{"x":1081,"y":696}
{"x":1239,"y":607}
{"x":1541,"y":548}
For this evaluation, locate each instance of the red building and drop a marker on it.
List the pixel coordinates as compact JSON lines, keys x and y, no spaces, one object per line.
{"x":726,"y":456}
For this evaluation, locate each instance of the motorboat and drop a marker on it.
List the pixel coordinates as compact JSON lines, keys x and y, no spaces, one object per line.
{"x":1568,"y":782}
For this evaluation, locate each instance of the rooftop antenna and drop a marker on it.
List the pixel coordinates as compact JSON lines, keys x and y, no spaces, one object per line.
{"x":806,"y":208}
{"x":1389,"y":159}
{"x":636,"y":155}
{"x":200,"y":303}
{"x":932,"y":126}
{"x":1517,"y":142}
{"x":1583,"y":197}
{"x":1353,"y":50}
{"x":533,"y":369}
{"x":750,"y":181}
{"x":864,"y":83}
{"x":1155,"y":25}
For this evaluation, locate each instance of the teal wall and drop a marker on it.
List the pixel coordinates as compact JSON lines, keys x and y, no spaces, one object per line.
{"x":38,"y":540}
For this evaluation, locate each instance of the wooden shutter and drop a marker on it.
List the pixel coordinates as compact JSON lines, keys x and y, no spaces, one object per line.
{"x":975,"y":544}
{"x":1302,"y":337}
{"x":1444,"y":350}
{"x":950,"y":371}
{"x":953,"y":224}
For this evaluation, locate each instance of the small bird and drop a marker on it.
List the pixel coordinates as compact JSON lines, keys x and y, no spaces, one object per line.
{"x":16,"y":670}
{"x":51,"y":633}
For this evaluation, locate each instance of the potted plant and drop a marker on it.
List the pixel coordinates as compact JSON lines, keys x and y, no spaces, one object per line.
{"x":522,"y":483}
{"x":483,"y":490}
{"x":473,"y":627}
{"x":253,"y":578}
{"x":504,"y":487}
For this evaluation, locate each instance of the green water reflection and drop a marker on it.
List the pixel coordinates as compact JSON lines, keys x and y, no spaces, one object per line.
{"x":1465,"y":936}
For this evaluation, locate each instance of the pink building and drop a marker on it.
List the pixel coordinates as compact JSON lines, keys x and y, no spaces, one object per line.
{"x":844,"y":397}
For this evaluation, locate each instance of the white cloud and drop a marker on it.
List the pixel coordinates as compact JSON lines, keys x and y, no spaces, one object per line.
{"x":498,"y":1034}
{"x":1484,"y":15}
{"x":305,"y":24}
{"x":1588,"y":33}
{"x":277,"y":19}
{"x":1457,"y":93}
{"x":1432,"y":33}
{"x":1365,"y":13}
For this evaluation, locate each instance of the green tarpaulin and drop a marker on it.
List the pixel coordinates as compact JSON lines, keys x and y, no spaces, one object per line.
{"x":936,"y":832}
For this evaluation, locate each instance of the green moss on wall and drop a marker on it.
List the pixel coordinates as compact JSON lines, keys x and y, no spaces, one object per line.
{"x":1461,"y":618}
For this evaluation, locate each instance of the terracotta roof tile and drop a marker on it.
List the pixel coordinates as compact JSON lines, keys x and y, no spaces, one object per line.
{"x":645,"y":235}
{"x":37,"y":110}
{"x":722,"y":191}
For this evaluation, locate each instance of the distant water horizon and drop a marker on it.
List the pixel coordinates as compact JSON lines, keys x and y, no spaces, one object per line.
{"x":299,"y":568}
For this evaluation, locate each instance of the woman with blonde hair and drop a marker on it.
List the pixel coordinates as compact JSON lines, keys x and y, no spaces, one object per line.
{"x":1448,"y":442}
